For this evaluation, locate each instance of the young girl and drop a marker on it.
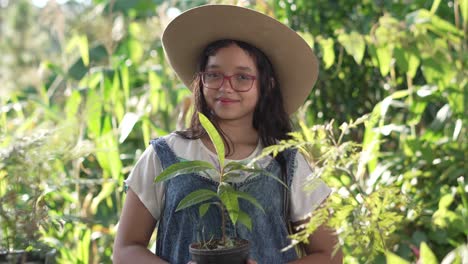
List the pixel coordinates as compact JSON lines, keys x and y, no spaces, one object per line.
{"x":248,"y":73}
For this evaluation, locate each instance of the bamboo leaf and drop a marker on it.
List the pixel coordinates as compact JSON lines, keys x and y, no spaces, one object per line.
{"x":125,"y":81}
{"x":135,"y":49}
{"x":184,"y":167}
{"x":194,"y":198}
{"x":108,"y":154}
{"x":84,"y":49}
{"x":108,"y":188}
{"x":215,"y":138}
{"x":464,"y":11}
{"x":93,"y":114}
{"x":73,"y":103}
{"x":435,"y":6}
{"x":126,"y":125}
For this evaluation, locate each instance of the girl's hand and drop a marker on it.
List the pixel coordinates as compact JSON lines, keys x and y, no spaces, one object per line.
{"x":250,"y":261}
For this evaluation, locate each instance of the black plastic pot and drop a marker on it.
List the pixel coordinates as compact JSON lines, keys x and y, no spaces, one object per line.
{"x":235,"y":255}
{"x":27,"y":257}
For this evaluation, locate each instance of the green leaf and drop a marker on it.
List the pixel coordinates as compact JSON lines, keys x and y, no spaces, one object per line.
{"x":416,"y":111}
{"x":354,"y":45}
{"x":78,"y":69}
{"x":228,"y":197}
{"x":384,"y":55}
{"x":184,"y":167}
{"x":136,"y":50}
{"x":73,"y":103}
{"x":245,"y":220}
{"x":309,"y":39}
{"x":464,"y":11}
{"x":125,"y":81}
{"x":126,"y":125}
{"x":233,"y":169}
{"x":435,"y":5}
{"x":413,"y":64}
{"x":214,"y":136}
{"x":108,"y":154}
{"x":427,"y":256}
{"x":407,"y":60}
{"x":249,"y":198}
{"x":84,"y":49}
{"x":194,"y":198}
{"x":434,"y":23}
{"x":394,"y":259}
{"x":235,"y":165}
{"x":328,"y":52}
{"x":445,"y":201}
{"x":203,"y":209}
{"x":84,"y":246}
{"x":108,"y":188}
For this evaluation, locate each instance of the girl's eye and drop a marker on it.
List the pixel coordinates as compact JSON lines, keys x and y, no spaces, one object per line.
{"x":213,"y":75}
{"x":243,"y":77}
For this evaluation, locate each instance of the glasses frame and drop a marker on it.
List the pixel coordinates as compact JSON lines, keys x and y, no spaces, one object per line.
{"x":227,"y":77}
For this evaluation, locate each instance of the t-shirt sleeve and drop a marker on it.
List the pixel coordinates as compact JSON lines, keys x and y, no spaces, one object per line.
{"x":141,"y":181}
{"x":307,"y":193}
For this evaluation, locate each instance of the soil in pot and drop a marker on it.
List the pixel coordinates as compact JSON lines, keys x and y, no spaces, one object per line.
{"x":211,"y":253}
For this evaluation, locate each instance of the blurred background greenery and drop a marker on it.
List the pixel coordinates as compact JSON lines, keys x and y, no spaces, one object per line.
{"x":84,"y":86}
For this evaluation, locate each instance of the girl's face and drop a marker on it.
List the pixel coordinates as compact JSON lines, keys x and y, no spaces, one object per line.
{"x":227,"y":103}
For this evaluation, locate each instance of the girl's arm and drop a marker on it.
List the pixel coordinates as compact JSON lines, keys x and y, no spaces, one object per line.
{"x":135,"y":229}
{"x":320,"y":247}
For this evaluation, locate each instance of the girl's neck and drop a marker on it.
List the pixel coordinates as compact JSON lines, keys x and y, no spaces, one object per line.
{"x":239,"y":133}
{"x":244,"y":139}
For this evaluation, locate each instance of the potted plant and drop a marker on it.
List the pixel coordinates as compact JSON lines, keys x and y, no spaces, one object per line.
{"x":226,"y":249}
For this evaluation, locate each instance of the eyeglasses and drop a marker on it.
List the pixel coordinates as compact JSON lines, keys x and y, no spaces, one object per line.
{"x":240,"y":82}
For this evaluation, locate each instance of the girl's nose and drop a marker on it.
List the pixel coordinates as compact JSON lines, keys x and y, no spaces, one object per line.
{"x":227,"y":86}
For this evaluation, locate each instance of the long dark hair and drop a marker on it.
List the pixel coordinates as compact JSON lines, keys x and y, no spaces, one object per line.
{"x":270,"y":118}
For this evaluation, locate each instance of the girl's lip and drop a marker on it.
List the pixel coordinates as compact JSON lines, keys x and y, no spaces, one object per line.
{"x":226,"y":100}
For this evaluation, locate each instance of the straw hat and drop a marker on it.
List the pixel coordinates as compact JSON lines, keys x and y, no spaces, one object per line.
{"x":294,"y":62}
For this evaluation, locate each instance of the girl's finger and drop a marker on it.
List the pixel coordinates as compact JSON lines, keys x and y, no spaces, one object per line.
{"x":251,"y":261}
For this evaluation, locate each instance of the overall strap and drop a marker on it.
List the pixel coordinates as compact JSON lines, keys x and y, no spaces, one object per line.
{"x":165,"y":153}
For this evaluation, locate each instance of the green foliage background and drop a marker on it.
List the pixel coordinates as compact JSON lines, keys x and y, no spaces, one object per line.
{"x":94,"y":78}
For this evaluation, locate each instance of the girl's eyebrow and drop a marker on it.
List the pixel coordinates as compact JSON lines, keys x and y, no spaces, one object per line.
{"x":243,"y":68}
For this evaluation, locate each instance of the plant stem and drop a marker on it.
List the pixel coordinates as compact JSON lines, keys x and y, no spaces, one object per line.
{"x":223,"y":224}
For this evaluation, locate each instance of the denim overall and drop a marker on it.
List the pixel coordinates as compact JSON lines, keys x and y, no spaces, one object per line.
{"x":177,"y":230}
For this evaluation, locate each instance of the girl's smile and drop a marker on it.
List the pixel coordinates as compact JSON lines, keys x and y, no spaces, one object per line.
{"x":227,"y":101}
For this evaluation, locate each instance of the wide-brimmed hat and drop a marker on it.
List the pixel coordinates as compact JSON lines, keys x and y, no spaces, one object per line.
{"x":294,"y":62}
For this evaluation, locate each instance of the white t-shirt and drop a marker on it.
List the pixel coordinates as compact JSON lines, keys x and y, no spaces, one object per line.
{"x":151,"y":194}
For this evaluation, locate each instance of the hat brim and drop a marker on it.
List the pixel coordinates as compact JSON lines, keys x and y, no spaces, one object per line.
{"x":292,"y":58}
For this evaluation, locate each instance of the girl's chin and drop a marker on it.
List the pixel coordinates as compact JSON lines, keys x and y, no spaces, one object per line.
{"x":231,"y":115}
